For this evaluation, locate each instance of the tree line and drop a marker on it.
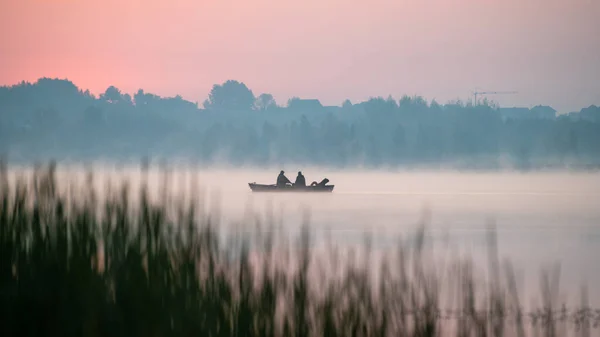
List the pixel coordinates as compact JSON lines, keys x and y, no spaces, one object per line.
{"x":53,"y":118}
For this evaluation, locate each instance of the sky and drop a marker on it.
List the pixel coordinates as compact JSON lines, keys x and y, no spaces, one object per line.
{"x":546,"y":50}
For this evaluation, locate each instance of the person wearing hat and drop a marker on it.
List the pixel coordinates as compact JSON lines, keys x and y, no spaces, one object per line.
{"x":300,"y":181}
{"x":282,"y":180}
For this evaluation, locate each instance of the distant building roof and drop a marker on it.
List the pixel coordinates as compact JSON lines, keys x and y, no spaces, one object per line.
{"x":307,"y":104}
{"x":544,"y":108}
{"x":591,"y":113}
{"x":332,"y":108}
{"x":514,"y":109}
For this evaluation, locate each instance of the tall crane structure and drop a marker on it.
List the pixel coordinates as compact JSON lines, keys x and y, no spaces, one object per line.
{"x":476,"y":93}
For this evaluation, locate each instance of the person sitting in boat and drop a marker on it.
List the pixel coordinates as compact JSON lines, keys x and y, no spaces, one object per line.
{"x":282,"y":180}
{"x":300,"y":181}
{"x":321,"y":184}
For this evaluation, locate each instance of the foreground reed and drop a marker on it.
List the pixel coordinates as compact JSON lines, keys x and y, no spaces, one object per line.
{"x":75,"y":264}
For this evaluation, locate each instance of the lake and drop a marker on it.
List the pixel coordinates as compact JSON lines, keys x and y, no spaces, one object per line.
{"x":541,"y":218}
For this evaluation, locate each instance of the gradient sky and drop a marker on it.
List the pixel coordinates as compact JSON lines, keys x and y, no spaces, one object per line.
{"x":547,"y":50}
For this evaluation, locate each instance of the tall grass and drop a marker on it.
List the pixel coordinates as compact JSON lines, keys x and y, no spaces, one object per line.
{"x":73,"y":263}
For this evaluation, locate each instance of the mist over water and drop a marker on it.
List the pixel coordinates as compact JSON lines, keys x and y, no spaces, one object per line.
{"x":462,"y":137}
{"x":541,"y":218}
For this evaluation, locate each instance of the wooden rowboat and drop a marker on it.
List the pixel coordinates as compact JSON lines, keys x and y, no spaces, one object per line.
{"x":290,"y":188}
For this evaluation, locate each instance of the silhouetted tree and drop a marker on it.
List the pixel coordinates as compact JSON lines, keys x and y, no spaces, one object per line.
{"x":377,"y":105}
{"x":265,"y":102}
{"x":292,"y":101}
{"x":112,"y":95}
{"x":391,"y":103}
{"x":231,"y":95}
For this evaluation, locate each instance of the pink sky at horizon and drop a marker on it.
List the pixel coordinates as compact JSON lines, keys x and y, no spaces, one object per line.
{"x":547,"y":50}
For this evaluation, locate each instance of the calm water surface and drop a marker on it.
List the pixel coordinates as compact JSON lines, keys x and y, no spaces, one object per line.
{"x":541,"y":218}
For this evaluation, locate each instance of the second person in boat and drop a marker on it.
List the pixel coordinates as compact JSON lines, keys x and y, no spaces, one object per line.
{"x":300,"y":181}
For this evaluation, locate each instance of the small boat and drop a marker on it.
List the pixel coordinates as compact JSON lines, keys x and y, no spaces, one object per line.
{"x":290,"y":188}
